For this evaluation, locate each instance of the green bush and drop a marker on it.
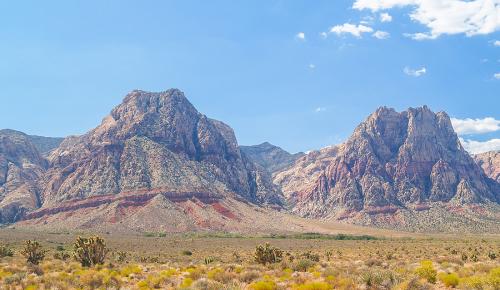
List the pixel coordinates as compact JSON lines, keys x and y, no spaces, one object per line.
{"x":90,"y":251}
{"x":426,"y":271}
{"x":33,"y":252}
{"x":267,"y":254}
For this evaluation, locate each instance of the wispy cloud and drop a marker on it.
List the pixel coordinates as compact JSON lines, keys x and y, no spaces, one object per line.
{"x":415,"y":72}
{"x":381,"y":34}
{"x":477,"y":17}
{"x":300,"y":36}
{"x":497,"y":76}
{"x":476,"y":147}
{"x":320,"y":109}
{"x":348,"y":28}
{"x":475,"y":126}
{"x":496,"y":43}
{"x":311,"y":66}
{"x":385,"y":17}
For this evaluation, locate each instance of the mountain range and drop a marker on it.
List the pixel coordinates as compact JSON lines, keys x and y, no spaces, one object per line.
{"x":156,"y":164}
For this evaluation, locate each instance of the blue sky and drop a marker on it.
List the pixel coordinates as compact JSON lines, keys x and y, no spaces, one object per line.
{"x":299,"y":74}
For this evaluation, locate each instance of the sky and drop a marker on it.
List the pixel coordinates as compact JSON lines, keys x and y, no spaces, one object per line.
{"x":300,"y":74}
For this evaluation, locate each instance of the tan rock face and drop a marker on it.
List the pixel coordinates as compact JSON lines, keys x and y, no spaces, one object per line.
{"x":391,"y":160}
{"x":490,"y":162}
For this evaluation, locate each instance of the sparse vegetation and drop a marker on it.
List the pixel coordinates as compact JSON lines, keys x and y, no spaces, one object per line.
{"x":145,"y":263}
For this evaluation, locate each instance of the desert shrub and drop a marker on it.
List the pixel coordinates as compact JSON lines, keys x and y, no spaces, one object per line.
{"x":249,"y":276}
{"x":60,"y":248}
{"x":303,"y":265}
{"x":316,"y":285}
{"x":187,"y":253}
{"x":472,"y":282}
{"x":373,"y":262}
{"x":310,"y":256}
{"x":62,"y":256}
{"x":267,"y":254}
{"x":130,"y":269}
{"x":204,"y":284}
{"x":6,"y":252}
{"x":186,"y":283}
{"x":121,"y":256}
{"x":219,"y":275}
{"x":492,"y":255}
{"x":263,"y":285}
{"x":90,"y":251}
{"x":494,"y":278}
{"x":413,"y":284}
{"x":33,"y":252}
{"x":328,"y":255}
{"x":426,"y":271}
{"x":449,"y":280}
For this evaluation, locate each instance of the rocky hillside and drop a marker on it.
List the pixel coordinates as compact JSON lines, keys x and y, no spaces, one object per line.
{"x":394,"y":164}
{"x":45,"y":145}
{"x":490,"y":162}
{"x":153,"y":144}
{"x":21,"y":166}
{"x":271,"y":158}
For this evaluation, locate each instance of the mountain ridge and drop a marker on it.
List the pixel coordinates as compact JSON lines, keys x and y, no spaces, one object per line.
{"x":156,"y":158}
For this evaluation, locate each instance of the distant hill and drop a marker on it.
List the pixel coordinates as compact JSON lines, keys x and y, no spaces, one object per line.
{"x":270,"y":157}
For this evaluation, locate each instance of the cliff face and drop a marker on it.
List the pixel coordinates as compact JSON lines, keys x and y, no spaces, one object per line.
{"x":490,"y":162}
{"x":392,"y":160}
{"x":21,"y":166}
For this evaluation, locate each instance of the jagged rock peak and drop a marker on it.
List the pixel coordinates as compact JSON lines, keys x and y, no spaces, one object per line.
{"x":395,"y":159}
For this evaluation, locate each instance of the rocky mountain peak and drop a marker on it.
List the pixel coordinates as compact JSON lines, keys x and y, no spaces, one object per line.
{"x":395,"y":159}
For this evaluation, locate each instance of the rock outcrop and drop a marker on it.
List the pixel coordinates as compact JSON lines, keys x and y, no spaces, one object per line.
{"x":393,"y":161}
{"x":271,"y":158}
{"x":490,"y":162}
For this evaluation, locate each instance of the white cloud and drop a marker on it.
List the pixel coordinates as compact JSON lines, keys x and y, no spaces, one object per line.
{"x":415,"y":72}
{"x":476,"y":147}
{"x":320,"y":109}
{"x":444,"y":16}
{"x":323,"y":35}
{"x":385,"y":17}
{"x":496,"y":43}
{"x":347,"y":28}
{"x":381,"y":34}
{"x":475,"y":126}
{"x":497,"y":76}
{"x":301,"y":36}
{"x":312,"y":66}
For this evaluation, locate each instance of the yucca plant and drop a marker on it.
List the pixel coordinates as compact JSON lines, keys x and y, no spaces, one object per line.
{"x":33,"y":252}
{"x":267,"y":254}
{"x":90,"y":251}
